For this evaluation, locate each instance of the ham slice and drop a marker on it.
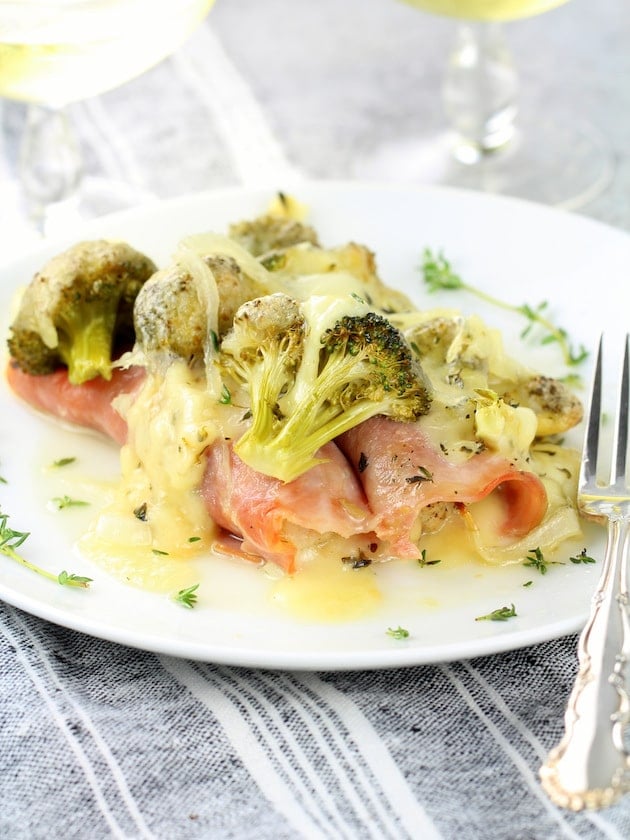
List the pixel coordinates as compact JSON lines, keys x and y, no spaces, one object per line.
{"x":402,"y":472}
{"x":376,"y":480}
{"x":255,"y":507}
{"x":328,"y":498}
{"x":88,"y":405}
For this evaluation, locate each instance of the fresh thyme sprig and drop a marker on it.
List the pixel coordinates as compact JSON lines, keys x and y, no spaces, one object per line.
{"x":439,"y":276}
{"x":398,"y":633}
{"x":536,"y":560}
{"x":502,"y":614}
{"x":582,"y":557}
{"x":187,"y":597}
{"x":422,"y":560}
{"x":61,"y":502}
{"x":10,"y":540}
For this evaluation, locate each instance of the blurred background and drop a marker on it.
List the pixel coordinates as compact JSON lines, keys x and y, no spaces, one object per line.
{"x":266,"y":92}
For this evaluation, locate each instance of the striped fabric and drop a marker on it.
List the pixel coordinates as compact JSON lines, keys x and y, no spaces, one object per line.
{"x":101,"y":741}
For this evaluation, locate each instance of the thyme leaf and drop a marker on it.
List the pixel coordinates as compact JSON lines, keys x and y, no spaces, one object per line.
{"x":61,"y":502}
{"x":536,"y":560}
{"x":422,"y":560}
{"x":398,"y":633}
{"x":141,"y":512}
{"x":423,"y":475}
{"x":66,"y":579}
{"x":582,"y":557}
{"x":187,"y":597}
{"x":64,"y":462}
{"x":502,"y":614}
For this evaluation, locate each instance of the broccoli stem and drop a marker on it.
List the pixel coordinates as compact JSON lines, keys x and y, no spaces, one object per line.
{"x":88,"y":352}
{"x":315,"y":421}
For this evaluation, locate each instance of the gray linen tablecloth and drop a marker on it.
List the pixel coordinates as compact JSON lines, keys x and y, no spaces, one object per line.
{"x":99,"y":740}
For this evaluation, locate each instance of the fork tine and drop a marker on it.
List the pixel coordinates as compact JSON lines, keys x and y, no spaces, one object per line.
{"x":591,"y":442}
{"x":622,"y":413}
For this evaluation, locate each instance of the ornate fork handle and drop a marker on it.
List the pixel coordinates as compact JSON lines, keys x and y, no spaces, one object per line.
{"x":590,"y":767}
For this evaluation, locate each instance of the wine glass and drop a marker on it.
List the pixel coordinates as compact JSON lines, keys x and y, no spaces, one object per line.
{"x":490,"y":145}
{"x":57,"y":52}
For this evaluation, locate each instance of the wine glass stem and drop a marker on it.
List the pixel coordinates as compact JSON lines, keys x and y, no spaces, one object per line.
{"x":479,"y":92}
{"x":50,"y":164}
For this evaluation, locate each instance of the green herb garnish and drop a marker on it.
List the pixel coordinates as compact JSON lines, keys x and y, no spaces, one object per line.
{"x":62,"y":502}
{"x":187,"y":597}
{"x":10,"y":540}
{"x":502,"y":614}
{"x":398,"y":633}
{"x":422,"y":560}
{"x":63,"y":462}
{"x":141,"y":512}
{"x":66,"y":579}
{"x":423,"y":475}
{"x":582,"y":557}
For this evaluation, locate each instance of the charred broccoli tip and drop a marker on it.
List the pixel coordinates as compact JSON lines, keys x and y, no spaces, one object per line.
{"x":312,"y":372}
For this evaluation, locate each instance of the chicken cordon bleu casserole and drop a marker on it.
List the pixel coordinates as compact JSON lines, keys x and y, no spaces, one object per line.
{"x":276,"y":401}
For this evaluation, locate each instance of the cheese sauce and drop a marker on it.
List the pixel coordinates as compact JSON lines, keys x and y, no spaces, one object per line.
{"x":154,"y":531}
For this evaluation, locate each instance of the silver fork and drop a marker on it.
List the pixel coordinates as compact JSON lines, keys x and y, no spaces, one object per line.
{"x":590,"y":767}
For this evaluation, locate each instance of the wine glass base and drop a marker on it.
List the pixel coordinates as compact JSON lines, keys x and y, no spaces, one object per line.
{"x":24,"y":226}
{"x":565,"y":166}
{"x":96,"y":197}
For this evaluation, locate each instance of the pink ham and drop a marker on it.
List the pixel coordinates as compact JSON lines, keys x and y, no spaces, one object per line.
{"x":255,"y":507}
{"x":402,"y":472}
{"x":88,"y":405}
{"x":327,"y":498}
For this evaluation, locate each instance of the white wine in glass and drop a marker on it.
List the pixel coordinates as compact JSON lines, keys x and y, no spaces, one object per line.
{"x":491,"y":146}
{"x":486,"y":9}
{"x":56,"y":52}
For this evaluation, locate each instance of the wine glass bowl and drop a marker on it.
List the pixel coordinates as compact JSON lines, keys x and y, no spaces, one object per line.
{"x":57,"y":52}
{"x":64,"y":51}
{"x":487,"y":10}
{"x":491,"y":143}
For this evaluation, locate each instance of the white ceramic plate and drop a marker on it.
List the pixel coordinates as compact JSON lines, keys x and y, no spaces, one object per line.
{"x":521,"y":252}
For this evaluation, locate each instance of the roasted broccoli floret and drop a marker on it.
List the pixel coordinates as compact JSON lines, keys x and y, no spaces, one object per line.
{"x":327,"y":268}
{"x":270,"y":232}
{"x":263,"y":351}
{"x":171,"y":312}
{"x":168,"y":316}
{"x":312,"y":371}
{"x":556,"y":408}
{"x":78,"y":310}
